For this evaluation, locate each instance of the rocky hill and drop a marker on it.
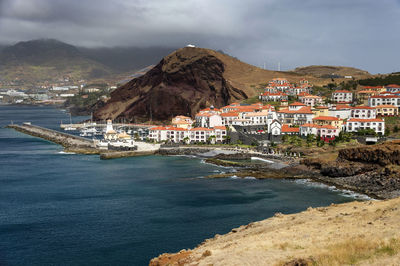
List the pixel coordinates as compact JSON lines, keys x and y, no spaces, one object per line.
{"x":184,"y":82}
{"x":332,"y":71}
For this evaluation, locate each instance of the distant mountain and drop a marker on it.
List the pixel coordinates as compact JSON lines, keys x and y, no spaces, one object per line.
{"x":52,"y":60}
{"x":184,"y":82}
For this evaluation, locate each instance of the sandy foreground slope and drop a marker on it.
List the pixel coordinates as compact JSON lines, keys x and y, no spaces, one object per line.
{"x":362,"y":233}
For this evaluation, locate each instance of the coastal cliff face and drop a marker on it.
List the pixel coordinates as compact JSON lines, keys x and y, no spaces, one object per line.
{"x":374,"y":170}
{"x":382,"y":154}
{"x":184,"y":82}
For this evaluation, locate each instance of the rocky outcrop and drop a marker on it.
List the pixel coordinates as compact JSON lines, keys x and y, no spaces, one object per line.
{"x":372,"y":170}
{"x":381,"y":154}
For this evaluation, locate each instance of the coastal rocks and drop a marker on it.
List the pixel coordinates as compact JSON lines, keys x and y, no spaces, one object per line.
{"x":382,"y":154}
{"x":183,"y":151}
{"x":337,"y":169}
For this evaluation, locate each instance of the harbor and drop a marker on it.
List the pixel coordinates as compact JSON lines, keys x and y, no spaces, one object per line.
{"x":114,"y":144}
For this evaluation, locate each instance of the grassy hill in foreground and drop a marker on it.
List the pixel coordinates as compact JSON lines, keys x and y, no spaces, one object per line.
{"x":362,"y":233}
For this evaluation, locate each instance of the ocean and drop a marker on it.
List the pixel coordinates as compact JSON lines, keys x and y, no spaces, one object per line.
{"x":69,"y":209}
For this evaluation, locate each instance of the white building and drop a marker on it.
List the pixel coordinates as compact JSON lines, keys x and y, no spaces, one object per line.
{"x":355,"y":124}
{"x":227,"y":118}
{"x":376,"y":100}
{"x":311,"y":100}
{"x":342,"y":96}
{"x":275,"y":97}
{"x":180,"y":135}
{"x":341,"y":111}
{"x":257,"y":118}
{"x":364,"y":112}
{"x":208,"y":120}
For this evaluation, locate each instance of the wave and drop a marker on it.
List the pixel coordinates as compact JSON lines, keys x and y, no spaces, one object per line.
{"x":184,"y":155}
{"x":342,"y":192}
{"x":64,"y":152}
{"x":226,"y":167}
{"x":261,"y":159}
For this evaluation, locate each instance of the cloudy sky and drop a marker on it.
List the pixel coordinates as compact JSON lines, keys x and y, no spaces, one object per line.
{"x":358,"y":33}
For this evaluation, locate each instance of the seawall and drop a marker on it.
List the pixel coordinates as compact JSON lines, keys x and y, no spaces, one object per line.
{"x":64,"y":139}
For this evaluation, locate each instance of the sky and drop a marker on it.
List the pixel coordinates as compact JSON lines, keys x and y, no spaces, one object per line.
{"x":294,"y":33}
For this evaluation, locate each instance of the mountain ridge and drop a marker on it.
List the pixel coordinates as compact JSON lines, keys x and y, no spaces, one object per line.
{"x":50,"y":60}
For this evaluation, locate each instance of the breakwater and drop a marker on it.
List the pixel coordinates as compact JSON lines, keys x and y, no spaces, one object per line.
{"x":64,"y":139}
{"x":77,"y":144}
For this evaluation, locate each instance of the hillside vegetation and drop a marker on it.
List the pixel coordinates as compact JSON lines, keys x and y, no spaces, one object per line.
{"x":362,"y":233}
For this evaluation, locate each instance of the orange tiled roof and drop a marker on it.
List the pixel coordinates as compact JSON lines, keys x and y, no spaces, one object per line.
{"x":364,"y":120}
{"x":326,"y":118}
{"x":385,"y":106}
{"x":201,"y":129}
{"x":362,"y":107}
{"x":230,"y":114}
{"x":286,"y":128}
{"x":297,"y":104}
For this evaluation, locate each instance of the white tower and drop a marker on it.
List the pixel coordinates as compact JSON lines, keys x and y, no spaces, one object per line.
{"x":109,"y":128}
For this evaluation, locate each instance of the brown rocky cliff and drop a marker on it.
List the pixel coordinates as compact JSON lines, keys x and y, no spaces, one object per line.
{"x":181,"y":84}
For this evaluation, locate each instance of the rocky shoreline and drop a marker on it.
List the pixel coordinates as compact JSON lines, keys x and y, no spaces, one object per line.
{"x":378,"y":181}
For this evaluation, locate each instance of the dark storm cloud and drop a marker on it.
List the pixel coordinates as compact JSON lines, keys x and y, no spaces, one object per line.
{"x":360,"y":33}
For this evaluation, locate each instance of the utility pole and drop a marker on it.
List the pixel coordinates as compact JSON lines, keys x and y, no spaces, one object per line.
{"x":279,"y":66}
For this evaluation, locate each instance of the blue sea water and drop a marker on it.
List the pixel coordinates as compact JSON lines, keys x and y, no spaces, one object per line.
{"x":69,"y":209}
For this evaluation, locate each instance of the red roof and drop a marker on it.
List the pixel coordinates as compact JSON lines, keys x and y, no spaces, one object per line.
{"x":326,"y":118}
{"x":303,"y":94}
{"x":341,"y":91}
{"x":310,"y":125}
{"x":297,"y":104}
{"x":373,"y":87}
{"x":385,"y":106}
{"x":209,"y":109}
{"x":385,"y":96}
{"x":220,"y":127}
{"x":287,"y":129}
{"x":167,"y":128}
{"x":393,"y":86}
{"x":274,"y":94}
{"x":302,"y":110}
{"x":362,"y":107}
{"x":364,"y":120}
{"x":201,"y":129}
{"x":230,"y":114}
